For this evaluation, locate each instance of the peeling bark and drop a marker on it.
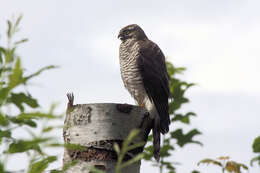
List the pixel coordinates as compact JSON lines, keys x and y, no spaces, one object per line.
{"x":97,"y":127}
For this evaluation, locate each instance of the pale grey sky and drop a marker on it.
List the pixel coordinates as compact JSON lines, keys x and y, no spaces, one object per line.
{"x":218,"y":42}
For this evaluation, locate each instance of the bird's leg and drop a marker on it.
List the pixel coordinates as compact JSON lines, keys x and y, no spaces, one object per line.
{"x":142,"y":105}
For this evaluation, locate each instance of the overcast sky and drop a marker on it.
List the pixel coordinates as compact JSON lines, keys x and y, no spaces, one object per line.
{"x":218,"y":42}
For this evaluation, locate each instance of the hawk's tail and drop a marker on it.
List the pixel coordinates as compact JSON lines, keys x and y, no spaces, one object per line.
{"x":156,"y":139}
{"x":156,"y":129}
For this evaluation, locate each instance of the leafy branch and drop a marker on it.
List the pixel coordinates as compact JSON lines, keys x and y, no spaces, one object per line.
{"x":225,"y":164}
{"x":14,"y":114}
{"x":256,"y":149}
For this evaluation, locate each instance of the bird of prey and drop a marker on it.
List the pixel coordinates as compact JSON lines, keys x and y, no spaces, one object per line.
{"x":144,"y":73}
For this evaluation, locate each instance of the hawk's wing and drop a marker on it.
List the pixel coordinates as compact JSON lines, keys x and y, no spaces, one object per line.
{"x":151,"y":63}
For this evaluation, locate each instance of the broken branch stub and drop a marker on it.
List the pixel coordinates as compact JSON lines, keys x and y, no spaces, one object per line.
{"x":96,"y":127}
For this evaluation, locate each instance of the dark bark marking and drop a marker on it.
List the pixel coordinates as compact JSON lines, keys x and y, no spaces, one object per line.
{"x":98,"y":153}
{"x":124,"y":108}
{"x":83,"y":118}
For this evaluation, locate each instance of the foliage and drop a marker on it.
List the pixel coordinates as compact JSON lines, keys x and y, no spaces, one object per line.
{"x":256,"y":149}
{"x":195,"y":171}
{"x":27,"y":117}
{"x":127,"y":146}
{"x":19,"y":111}
{"x":175,"y":137}
{"x":225,"y":164}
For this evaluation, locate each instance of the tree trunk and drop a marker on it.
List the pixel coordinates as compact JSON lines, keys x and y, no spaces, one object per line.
{"x":97,"y":127}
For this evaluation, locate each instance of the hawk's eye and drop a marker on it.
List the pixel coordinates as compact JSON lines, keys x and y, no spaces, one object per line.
{"x":127,"y":31}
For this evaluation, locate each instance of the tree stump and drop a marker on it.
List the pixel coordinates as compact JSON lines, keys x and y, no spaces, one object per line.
{"x":97,"y":127}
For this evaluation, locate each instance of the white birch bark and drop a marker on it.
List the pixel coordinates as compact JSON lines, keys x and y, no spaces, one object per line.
{"x":97,"y":127}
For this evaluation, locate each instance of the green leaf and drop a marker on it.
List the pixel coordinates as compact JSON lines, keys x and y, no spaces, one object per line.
{"x":180,"y":70}
{"x":170,"y":68}
{"x":38,"y":72}
{"x":3,"y":95}
{"x":165,"y":150}
{"x":173,"y":70}
{"x":169,"y":165}
{"x":50,"y":128}
{"x":4,"y":70}
{"x":3,"y":120}
{"x":2,"y":51}
{"x":256,"y":149}
{"x":15,"y":78}
{"x":210,"y":161}
{"x":125,"y":148}
{"x":35,"y":115}
{"x":20,"y":98}
{"x":255,"y":159}
{"x":22,"y":145}
{"x":195,"y":171}
{"x":5,"y":134}
{"x":18,"y":21}
{"x":9,"y":31}
{"x":28,"y":122}
{"x":183,"y":118}
{"x":10,"y":55}
{"x":232,"y":166}
{"x":2,"y":169}
{"x":183,"y":139}
{"x":130,"y":137}
{"x":243,"y":166}
{"x":56,"y":171}
{"x":256,"y":145}
{"x":117,"y":148}
{"x":40,"y":166}
{"x":134,"y":146}
{"x":133,"y":160}
{"x":148,"y":152}
{"x":177,"y":103}
{"x":21,"y":41}
{"x":54,"y":145}
{"x":150,"y":138}
{"x":47,"y":129}
{"x":74,"y":146}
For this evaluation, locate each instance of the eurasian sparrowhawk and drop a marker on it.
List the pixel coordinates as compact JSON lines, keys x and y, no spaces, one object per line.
{"x":144,"y":73}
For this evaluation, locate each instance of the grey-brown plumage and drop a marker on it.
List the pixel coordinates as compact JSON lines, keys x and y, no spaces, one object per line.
{"x":145,"y":76}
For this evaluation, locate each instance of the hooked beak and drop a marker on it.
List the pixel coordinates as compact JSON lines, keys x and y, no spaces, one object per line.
{"x":120,"y":36}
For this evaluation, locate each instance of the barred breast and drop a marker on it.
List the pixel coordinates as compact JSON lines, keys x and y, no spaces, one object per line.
{"x":128,"y":54}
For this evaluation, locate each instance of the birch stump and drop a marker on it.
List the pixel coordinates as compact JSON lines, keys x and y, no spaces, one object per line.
{"x":97,"y":127}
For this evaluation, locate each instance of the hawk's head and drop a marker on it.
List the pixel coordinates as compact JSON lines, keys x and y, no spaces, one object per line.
{"x":131,"y":32}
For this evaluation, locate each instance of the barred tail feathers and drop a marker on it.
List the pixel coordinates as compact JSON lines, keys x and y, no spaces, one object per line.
{"x":156,"y":139}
